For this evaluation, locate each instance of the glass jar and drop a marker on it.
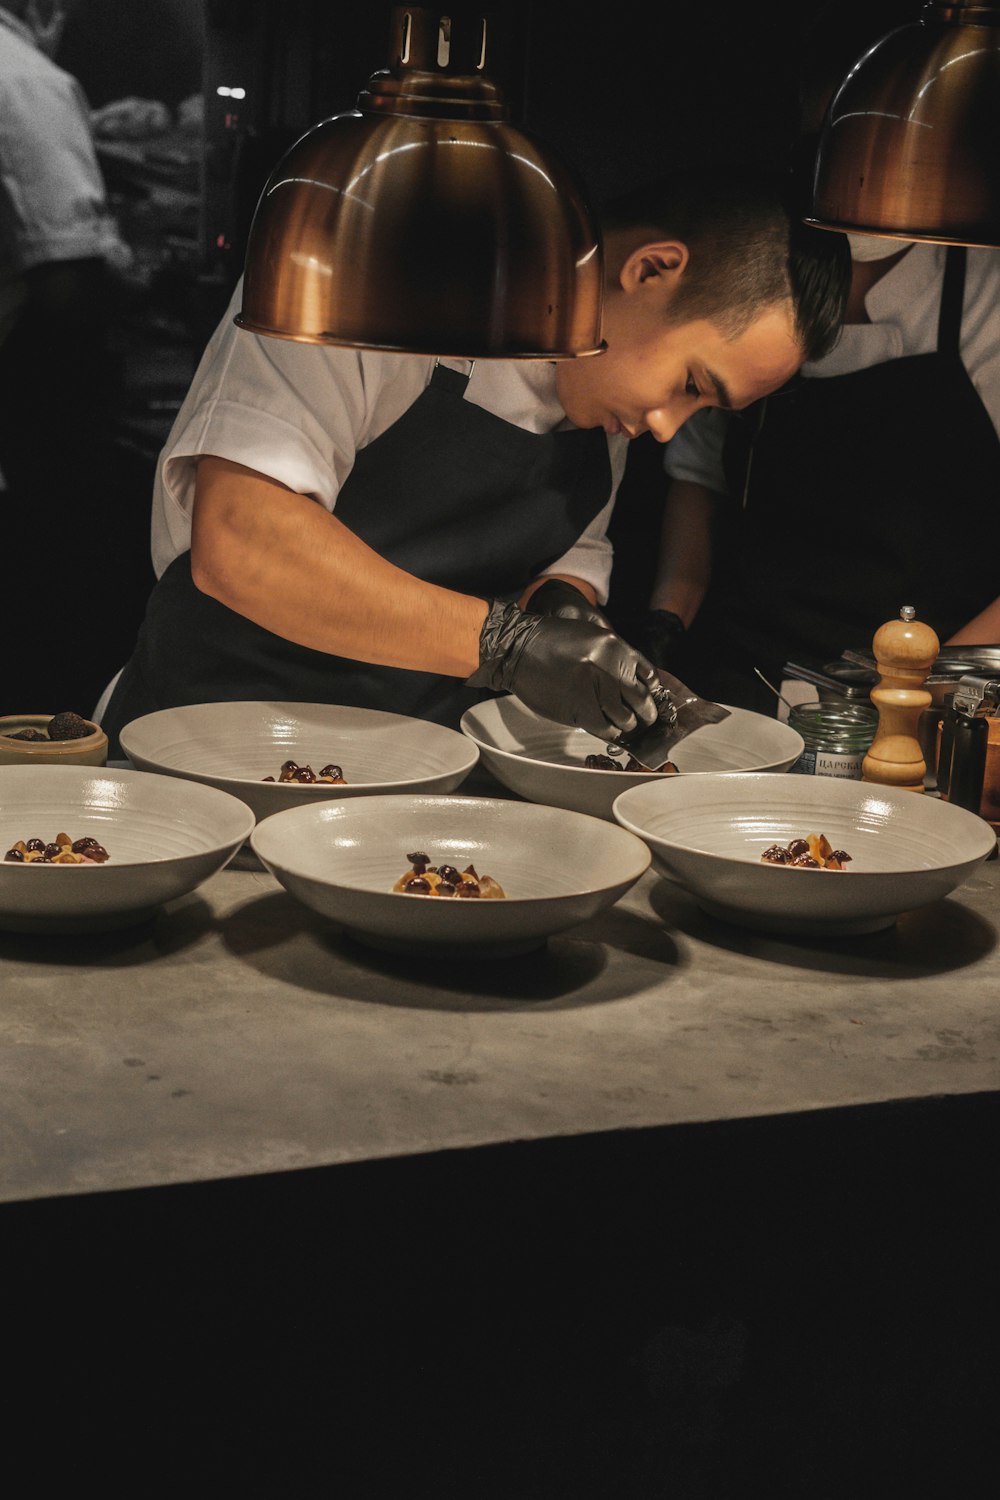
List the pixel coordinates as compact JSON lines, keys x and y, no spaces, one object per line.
{"x":837,"y":737}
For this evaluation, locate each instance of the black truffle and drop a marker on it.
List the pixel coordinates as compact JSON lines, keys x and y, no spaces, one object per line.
{"x":69,"y":727}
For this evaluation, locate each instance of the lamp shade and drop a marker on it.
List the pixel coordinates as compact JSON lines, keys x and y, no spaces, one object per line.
{"x":911,"y":143}
{"x":425,"y":221}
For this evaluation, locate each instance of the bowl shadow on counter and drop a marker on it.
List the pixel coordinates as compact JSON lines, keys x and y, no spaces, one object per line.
{"x":169,"y":930}
{"x":565,"y":972}
{"x":932,"y":939}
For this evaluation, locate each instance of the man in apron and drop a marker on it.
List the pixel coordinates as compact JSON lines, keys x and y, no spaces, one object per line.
{"x":412,"y":534}
{"x":871,"y":482}
{"x":792,"y":531}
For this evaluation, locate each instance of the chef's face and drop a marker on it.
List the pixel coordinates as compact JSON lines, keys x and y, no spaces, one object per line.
{"x":656,"y":372}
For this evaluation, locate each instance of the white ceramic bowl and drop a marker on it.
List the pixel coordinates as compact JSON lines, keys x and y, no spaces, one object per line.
{"x":544,"y":761}
{"x":163,"y":840}
{"x":233,"y":746}
{"x":558,"y":869}
{"x":708,"y":833}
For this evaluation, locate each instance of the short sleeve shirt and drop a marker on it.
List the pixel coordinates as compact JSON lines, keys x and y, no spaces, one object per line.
{"x":52,"y":198}
{"x":300,"y":413}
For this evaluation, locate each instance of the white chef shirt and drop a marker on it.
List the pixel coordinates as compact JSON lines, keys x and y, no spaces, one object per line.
{"x":52,"y":198}
{"x":903,"y":307}
{"x":299,"y":413}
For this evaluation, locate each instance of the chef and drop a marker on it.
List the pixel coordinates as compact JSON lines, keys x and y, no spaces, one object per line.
{"x":414,"y":534}
{"x":794,"y":530}
{"x":871,"y":483}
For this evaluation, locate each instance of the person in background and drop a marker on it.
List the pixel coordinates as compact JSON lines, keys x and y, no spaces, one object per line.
{"x":413,"y":534}
{"x":61,"y":264}
{"x":793,"y":530}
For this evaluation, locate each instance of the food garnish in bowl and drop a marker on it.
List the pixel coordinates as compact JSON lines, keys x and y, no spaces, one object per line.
{"x":814,"y":852}
{"x":306,"y":776}
{"x":608,"y":763}
{"x":425,"y":879}
{"x":61,"y":851}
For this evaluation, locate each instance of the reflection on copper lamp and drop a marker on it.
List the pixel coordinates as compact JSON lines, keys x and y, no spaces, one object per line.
{"x":424,"y":221}
{"x":911,"y":143}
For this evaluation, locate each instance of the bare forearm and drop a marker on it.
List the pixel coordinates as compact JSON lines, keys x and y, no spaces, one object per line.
{"x":586,"y":589}
{"x":685,"y":561}
{"x":982,"y":630}
{"x":286,"y":563}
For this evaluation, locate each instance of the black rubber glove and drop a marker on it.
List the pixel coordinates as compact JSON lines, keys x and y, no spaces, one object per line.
{"x":556,"y":597}
{"x":656,"y":633}
{"x":567,"y":670}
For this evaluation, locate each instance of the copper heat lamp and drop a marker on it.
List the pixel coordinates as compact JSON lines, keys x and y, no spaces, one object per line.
{"x":911,"y":143}
{"x":424,"y":221}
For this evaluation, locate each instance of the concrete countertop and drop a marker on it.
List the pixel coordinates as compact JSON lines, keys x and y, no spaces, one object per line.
{"x":239,"y":1034}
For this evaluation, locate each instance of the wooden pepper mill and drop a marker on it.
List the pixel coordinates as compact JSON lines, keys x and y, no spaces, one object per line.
{"x":905,"y":651}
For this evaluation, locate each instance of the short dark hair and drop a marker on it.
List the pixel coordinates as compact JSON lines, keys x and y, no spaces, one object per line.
{"x":749,"y":250}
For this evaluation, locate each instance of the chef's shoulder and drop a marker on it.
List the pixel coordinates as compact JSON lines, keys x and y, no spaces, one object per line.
{"x":361,"y":391}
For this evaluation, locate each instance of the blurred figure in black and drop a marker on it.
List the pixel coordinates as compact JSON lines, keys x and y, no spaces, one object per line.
{"x":62,"y":266}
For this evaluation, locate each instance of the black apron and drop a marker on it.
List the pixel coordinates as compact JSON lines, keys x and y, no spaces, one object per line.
{"x":450,"y":493}
{"x":851,"y":496}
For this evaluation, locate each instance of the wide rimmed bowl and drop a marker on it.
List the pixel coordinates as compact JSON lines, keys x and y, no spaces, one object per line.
{"x":544,"y":761}
{"x":708,"y":833}
{"x":234,"y":746}
{"x":164,"y":839}
{"x":558,"y":869}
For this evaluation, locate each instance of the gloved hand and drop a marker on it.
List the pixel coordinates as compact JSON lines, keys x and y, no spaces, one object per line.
{"x":567,"y":670}
{"x":655,"y":633}
{"x":556,"y":597}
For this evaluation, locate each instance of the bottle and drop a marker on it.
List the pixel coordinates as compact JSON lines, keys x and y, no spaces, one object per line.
{"x":836,"y":737}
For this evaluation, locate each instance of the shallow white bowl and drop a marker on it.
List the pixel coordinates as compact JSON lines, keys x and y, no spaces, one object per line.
{"x":544,"y":761}
{"x":708,"y":833}
{"x":163,"y":840}
{"x":233,"y":746}
{"x":558,"y":869}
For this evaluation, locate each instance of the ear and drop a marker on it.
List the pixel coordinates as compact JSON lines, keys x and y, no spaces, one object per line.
{"x":664,"y":259}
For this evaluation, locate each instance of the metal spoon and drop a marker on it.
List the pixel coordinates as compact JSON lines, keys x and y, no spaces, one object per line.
{"x":780,"y":696}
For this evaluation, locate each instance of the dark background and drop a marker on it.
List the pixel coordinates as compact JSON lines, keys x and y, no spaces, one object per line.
{"x":798,"y":1309}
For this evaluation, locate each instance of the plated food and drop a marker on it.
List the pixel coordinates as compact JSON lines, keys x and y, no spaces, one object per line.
{"x":162,"y":839}
{"x":609,"y":763}
{"x":425,"y":879}
{"x":550,"y":763}
{"x":814,"y":852}
{"x":707,"y":834}
{"x":341,"y":858}
{"x":242,"y":747}
{"x":62,"y":850}
{"x":306,"y":776}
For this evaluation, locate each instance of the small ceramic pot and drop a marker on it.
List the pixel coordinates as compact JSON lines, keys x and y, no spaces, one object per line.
{"x":89,"y":750}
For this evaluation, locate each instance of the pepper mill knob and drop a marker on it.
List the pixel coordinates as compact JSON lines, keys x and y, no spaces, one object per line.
{"x":905,"y":650}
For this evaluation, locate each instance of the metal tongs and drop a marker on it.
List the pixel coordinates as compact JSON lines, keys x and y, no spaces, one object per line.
{"x":679,"y":713}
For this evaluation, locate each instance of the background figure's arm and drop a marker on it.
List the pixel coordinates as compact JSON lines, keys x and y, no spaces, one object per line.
{"x":281,"y":560}
{"x":684,"y":565}
{"x":580,"y":584}
{"x":982,"y":630}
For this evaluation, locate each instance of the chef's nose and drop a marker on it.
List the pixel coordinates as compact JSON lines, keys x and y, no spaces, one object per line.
{"x":663,"y":422}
